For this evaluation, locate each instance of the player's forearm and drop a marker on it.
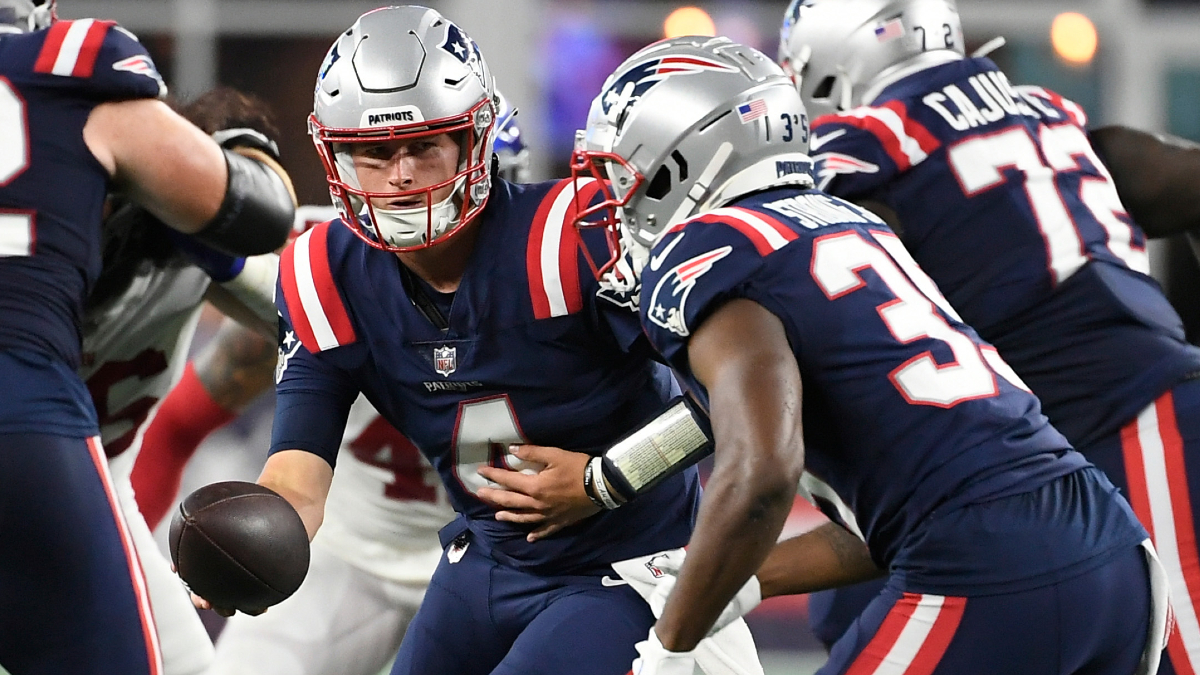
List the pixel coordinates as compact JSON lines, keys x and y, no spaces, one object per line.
{"x":739,"y":520}
{"x":303,"y":479}
{"x":742,"y":357}
{"x":827,"y":557}
{"x":249,"y":297}
{"x":236,"y":366}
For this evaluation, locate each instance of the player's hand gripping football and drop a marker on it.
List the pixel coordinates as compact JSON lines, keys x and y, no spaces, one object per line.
{"x":654,"y":659}
{"x":552,"y":498}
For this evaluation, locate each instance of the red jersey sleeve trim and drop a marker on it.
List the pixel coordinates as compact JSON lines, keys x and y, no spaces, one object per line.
{"x":72,"y":47}
{"x":315,"y":306}
{"x":552,"y":254}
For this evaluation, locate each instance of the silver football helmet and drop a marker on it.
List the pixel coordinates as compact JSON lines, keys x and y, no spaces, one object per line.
{"x":26,"y":15}
{"x":403,"y":73}
{"x":835,"y":50}
{"x":683,"y":126}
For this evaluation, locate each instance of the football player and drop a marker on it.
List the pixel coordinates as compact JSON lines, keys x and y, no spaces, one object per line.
{"x":999,"y":192}
{"x":80,"y":114}
{"x":378,"y":545}
{"x":458,"y":305}
{"x":138,"y":324}
{"x":238,"y":365}
{"x":817,"y":343}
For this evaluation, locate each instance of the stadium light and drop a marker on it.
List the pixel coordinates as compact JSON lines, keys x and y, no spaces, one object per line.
{"x":1073,"y":37}
{"x":688,"y":21}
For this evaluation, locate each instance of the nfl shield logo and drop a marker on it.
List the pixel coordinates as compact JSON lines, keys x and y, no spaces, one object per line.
{"x":444,"y":361}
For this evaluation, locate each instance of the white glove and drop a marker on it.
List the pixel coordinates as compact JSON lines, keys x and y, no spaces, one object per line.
{"x":729,"y":651}
{"x":656,"y":660}
{"x":748,"y":596}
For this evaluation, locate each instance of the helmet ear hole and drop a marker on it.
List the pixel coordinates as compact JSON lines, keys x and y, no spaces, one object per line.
{"x":660,"y":186}
{"x":824,"y":88}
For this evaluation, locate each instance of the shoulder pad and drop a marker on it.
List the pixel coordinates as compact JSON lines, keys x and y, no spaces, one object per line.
{"x":315,"y":306}
{"x":906,"y":141}
{"x":552,"y":252}
{"x":1071,"y":108}
{"x":109,"y":58}
{"x":766,"y":233}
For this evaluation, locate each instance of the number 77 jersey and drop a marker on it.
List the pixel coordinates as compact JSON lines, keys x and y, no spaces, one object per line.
{"x":905,"y":407}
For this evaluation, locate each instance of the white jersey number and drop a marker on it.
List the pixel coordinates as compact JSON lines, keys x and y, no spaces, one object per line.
{"x":837,"y":261}
{"x":484,"y":431}
{"x":978,"y":164}
{"x":16,"y":227}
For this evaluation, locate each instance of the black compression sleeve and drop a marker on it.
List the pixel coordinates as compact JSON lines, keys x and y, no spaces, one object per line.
{"x":256,"y":215}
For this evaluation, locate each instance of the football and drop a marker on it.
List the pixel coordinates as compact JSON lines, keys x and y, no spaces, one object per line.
{"x":239,"y":546}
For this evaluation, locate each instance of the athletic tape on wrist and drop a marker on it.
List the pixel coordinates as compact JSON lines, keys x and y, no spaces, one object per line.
{"x":601,"y":486}
{"x":589,"y":484}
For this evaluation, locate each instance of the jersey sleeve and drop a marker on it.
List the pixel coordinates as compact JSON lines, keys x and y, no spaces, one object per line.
{"x":101,"y":57}
{"x":699,"y":266}
{"x":309,"y":291}
{"x":318,"y":347}
{"x":312,"y":397}
{"x":857,"y":152}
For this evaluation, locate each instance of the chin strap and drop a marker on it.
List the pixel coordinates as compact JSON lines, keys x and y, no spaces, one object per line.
{"x":407,"y":227}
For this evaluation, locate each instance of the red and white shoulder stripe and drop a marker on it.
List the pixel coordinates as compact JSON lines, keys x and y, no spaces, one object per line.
{"x":912,"y":638}
{"x":314,"y":304}
{"x":71,"y":47}
{"x":904,"y":139}
{"x":552,"y":255}
{"x":766,"y":233}
{"x":1078,"y":116}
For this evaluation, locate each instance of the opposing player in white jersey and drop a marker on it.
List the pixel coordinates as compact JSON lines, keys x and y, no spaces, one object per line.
{"x":378,"y":545}
{"x":138,"y":326}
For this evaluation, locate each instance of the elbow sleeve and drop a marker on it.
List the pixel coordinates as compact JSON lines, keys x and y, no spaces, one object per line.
{"x":256,"y":214}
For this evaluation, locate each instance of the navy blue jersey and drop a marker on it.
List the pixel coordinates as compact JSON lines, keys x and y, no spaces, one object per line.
{"x":52,"y":189}
{"x":52,"y":192}
{"x":1003,"y":201}
{"x":906,"y":410}
{"x":528,"y":355}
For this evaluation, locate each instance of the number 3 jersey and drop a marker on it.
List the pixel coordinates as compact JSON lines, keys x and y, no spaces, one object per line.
{"x":527,"y":355}
{"x":52,"y":191}
{"x":906,"y":412}
{"x":1003,"y":201}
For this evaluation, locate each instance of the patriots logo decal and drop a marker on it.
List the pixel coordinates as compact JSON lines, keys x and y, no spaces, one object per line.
{"x":457,"y":43}
{"x":141,"y":64}
{"x":464,"y":49}
{"x":329,"y":61}
{"x":831,"y":164}
{"x":669,"y":300}
{"x":641,"y":77}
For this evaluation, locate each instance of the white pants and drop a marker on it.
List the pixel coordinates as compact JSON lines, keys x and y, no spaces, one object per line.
{"x":186,"y":648}
{"x":342,"y":621}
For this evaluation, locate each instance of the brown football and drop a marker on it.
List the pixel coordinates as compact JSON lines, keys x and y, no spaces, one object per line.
{"x":239,"y":545}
